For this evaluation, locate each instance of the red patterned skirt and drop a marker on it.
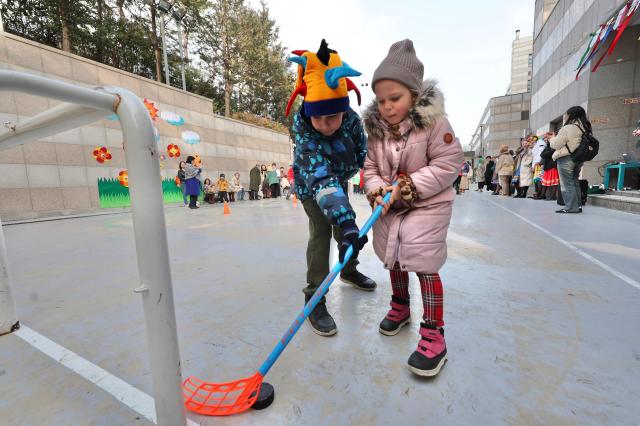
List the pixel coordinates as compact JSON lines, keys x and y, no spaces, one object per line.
{"x":550,"y":178}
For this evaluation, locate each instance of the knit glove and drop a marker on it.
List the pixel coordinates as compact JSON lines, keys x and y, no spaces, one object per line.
{"x":408,"y":190}
{"x":371,"y":197}
{"x":350,"y":237}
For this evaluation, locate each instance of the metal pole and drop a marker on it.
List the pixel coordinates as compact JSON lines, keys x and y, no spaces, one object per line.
{"x":152,"y":251}
{"x":164,"y":50}
{"x":482,"y":140}
{"x":8,"y":319}
{"x":184,"y":82}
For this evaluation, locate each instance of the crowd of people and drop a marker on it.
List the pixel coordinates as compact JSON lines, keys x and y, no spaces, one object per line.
{"x":542,"y":162}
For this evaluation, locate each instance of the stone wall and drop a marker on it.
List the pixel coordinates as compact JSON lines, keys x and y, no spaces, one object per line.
{"x":58,"y":175}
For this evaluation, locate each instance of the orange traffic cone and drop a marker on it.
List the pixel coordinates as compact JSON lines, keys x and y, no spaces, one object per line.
{"x":226,"y":210}
{"x":295,"y":201}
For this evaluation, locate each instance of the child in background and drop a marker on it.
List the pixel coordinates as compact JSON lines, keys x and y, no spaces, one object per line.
{"x":223,"y":188}
{"x":412,"y":143}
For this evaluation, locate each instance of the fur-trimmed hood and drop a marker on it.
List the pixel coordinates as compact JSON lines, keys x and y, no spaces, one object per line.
{"x":428,"y":109}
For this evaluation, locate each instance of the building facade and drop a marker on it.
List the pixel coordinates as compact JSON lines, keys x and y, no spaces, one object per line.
{"x":505,"y":121}
{"x":521,"y":64}
{"x":611,"y":96}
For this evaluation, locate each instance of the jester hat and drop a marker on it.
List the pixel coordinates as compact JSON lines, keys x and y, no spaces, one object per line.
{"x":323,"y":82}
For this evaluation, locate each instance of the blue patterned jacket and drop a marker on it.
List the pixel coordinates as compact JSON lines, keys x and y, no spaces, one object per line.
{"x":323,"y":165}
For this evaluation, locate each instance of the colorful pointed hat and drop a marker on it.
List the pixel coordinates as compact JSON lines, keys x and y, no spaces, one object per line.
{"x":323,"y":82}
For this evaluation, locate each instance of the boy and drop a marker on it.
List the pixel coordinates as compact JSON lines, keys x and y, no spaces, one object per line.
{"x":330,"y":148}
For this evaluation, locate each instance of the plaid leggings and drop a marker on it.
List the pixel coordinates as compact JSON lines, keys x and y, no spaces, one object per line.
{"x":432,"y":293}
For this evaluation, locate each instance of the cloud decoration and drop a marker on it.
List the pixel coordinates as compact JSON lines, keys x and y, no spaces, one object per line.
{"x":172,"y":118}
{"x":190,"y":137}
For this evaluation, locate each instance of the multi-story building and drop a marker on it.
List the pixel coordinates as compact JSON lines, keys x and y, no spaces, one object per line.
{"x":521,"y":64}
{"x":611,"y":96}
{"x":506,"y":118}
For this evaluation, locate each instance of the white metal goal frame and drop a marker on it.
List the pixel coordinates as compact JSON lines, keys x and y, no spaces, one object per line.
{"x":83,"y":106}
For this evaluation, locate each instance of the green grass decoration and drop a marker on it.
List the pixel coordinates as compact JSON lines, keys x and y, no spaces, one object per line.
{"x":113,"y":195}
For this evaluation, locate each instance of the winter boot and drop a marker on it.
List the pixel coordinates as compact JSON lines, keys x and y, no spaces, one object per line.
{"x":431,"y":353}
{"x":321,"y":321}
{"x":397,"y":317}
{"x":358,"y":280}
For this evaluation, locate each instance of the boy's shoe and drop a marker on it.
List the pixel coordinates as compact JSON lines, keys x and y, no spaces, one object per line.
{"x":397,"y":317}
{"x":431,"y":354}
{"x":358,"y":280}
{"x":321,"y":321}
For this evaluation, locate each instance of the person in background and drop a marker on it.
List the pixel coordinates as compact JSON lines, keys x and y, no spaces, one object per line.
{"x":192,"y":181}
{"x":273,"y":181}
{"x":564,"y":143}
{"x":291,"y":179}
{"x":223,"y":188}
{"x":550,"y":178}
{"x":480,"y":169}
{"x":264,"y":182}
{"x":504,"y":168}
{"x":237,"y":190}
{"x":525,"y":160}
{"x":538,"y":146}
{"x":183,"y":187}
{"x":254,"y":182}
{"x":464,"y":179}
{"x":209,"y":191}
{"x":489,"y":168}
{"x":355,"y":183}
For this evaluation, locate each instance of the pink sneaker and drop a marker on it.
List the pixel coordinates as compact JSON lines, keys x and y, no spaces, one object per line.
{"x":431,"y":354}
{"x":397,"y":317}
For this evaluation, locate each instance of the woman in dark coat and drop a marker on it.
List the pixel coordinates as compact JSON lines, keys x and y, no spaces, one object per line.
{"x":488,"y":172}
{"x":254,"y":183}
{"x":192,"y":181}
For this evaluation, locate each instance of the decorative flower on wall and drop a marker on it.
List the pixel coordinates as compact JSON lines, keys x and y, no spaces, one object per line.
{"x":101,"y":154}
{"x":123,"y":178}
{"x":153,"y":111}
{"x":190,"y":137}
{"x":172,"y":118}
{"x":173,"y":150}
{"x":177,"y":180}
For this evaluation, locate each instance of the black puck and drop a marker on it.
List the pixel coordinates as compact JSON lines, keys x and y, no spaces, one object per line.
{"x":266,"y":394}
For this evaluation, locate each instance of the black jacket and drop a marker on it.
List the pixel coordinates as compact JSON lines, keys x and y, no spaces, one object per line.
{"x":547,"y":161}
{"x":488,"y":172}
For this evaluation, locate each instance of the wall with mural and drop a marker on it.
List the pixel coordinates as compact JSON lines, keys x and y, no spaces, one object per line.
{"x":82,"y":170}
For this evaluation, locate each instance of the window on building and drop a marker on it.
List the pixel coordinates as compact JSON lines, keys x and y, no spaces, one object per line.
{"x":524,"y":115}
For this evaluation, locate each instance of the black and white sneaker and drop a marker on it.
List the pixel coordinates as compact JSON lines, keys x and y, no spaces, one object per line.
{"x":359,"y":281}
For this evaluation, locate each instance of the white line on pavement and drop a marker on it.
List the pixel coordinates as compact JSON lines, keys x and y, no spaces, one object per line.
{"x":623,"y":277}
{"x":118,"y":388}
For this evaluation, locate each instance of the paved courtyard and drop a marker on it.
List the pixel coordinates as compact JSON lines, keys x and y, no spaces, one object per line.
{"x":542,"y":317}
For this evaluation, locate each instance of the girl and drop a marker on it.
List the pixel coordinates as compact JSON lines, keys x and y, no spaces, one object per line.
{"x":412,"y":142}
{"x":550,"y":178}
{"x":192,"y":181}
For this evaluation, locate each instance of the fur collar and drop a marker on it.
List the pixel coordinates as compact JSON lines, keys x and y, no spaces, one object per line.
{"x":428,"y":109}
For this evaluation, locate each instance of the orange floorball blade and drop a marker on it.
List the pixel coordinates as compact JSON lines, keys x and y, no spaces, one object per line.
{"x":221,"y":399}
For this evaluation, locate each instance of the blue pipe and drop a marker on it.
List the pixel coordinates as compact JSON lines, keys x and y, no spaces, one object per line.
{"x":320,"y":292}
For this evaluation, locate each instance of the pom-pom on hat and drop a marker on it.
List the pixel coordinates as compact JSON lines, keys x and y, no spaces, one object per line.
{"x":323,"y":82}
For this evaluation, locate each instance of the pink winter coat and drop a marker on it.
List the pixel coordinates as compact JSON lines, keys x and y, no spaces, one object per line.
{"x":415,"y":236}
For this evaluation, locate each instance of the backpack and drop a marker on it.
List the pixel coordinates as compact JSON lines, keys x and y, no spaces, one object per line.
{"x":587,"y":150}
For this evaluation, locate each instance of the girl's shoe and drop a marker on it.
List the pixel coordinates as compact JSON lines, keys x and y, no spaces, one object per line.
{"x":431,"y":354}
{"x":397,"y":317}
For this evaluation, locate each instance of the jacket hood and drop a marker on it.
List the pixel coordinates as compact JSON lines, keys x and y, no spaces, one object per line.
{"x":423,"y":115}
